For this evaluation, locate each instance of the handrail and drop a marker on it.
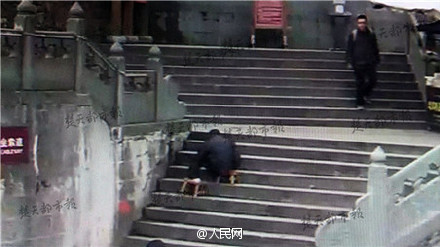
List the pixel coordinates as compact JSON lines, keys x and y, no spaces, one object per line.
{"x":416,"y":168}
{"x":111,"y":71}
{"x":389,"y":222}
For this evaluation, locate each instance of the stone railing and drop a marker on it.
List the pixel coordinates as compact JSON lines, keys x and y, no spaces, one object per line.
{"x":68,"y":62}
{"x":401,"y":210}
{"x":96,"y":120}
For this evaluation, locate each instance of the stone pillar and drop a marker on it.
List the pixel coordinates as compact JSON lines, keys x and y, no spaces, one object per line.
{"x":77,"y":25}
{"x":25,"y":21}
{"x":117,"y":58}
{"x":379,"y":200}
{"x":116,"y":18}
{"x":154,"y":63}
{"x":127,"y":24}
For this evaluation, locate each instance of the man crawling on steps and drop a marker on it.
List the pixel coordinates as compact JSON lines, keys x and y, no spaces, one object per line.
{"x":220,"y":158}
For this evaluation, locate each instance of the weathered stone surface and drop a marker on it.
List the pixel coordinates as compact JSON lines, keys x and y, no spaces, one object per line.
{"x":76,"y":11}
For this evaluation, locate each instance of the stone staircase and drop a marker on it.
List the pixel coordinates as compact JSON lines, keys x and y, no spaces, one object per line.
{"x":279,"y":190}
{"x":285,"y":181}
{"x":290,"y":87}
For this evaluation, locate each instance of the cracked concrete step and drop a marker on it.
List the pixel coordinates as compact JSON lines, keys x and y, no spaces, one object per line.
{"x":293,"y":72}
{"x":275,"y":100}
{"x":185,"y":80}
{"x":358,"y":124}
{"x":249,"y":222}
{"x":213,"y":203}
{"x":272,"y":193}
{"x":352,"y":184}
{"x":138,"y":62}
{"x":189,"y":233}
{"x":214,"y":51}
{"x":141,"y":241}
{"x":197,"y":137}
{"x":295,"y":91}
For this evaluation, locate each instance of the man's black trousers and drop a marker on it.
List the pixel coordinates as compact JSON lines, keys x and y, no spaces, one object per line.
{"x":194,"y":170}
{"x":366,"y":80}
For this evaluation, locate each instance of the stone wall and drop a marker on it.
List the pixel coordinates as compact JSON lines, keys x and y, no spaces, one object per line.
{"x":230,"y":23}
{"x":224,"y":22}
{"x":73,"y":165}
{"x":91,"y":167}
{"x":109,"y":178}
{"x":141,"y":161}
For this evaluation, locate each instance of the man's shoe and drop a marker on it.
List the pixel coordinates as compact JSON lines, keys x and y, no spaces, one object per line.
{"x":367,"y":100}
{"x":196,"y":185}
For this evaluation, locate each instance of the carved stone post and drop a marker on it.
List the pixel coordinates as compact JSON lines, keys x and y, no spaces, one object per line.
{"x":26,"y":17}
{"x":77,"y":25}
{"x":117,"y":58}
{"x":154,"y":63}
{"x":25,"y":21}
{"x":76,"y":22}
{"x":379,"y":200}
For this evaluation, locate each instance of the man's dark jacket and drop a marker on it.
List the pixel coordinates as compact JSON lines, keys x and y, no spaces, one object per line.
{"x":219,"y":155}
{"x":362,"y":48}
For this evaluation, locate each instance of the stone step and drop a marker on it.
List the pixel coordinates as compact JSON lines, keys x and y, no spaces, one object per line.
{"x":189,"y":233}
{"x":276,"y":72}
{"x":249,"y":222}
{"x":381,"y":115}
{"x":273,"y":100}
{"x":312,"y":153}
{"x":324,"y":153}
{"x":198,"y":137}
{"x":285,"y":179}
{"x":329,"y":198}
{"x":213,"y":51}
{"x":296,"y":91}
{"x":142,"y":241}
{"x":183,"y":80}
{"x":301,"y":166}
{"x":138,"y":62}
{"x":242,"y":206}
{"x":358,"y":124}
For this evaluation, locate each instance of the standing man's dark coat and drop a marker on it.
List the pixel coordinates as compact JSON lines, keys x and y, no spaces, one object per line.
{"x":362,"y":48}
{"x":363,"y":56}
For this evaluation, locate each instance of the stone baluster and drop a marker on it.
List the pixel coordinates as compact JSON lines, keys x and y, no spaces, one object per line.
{"x":25,"y":21}
{"x":117,"y":58}
{"x":154,"y":63}
{"x":379,"y":200}
{"x":76,"y":24}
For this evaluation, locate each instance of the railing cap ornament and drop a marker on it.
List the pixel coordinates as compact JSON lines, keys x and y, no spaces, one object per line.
{"x":378,"y":155}
{"x":116,"y":49}
{"x":76,"y":11}
{"x":154,"y":52}
{"x":26,"y":7}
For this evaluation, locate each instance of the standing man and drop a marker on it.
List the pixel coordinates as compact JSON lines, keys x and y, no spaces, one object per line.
{"x":363,"y":56}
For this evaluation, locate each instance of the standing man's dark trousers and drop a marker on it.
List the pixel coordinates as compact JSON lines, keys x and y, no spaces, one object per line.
{"x":364,"y":87}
